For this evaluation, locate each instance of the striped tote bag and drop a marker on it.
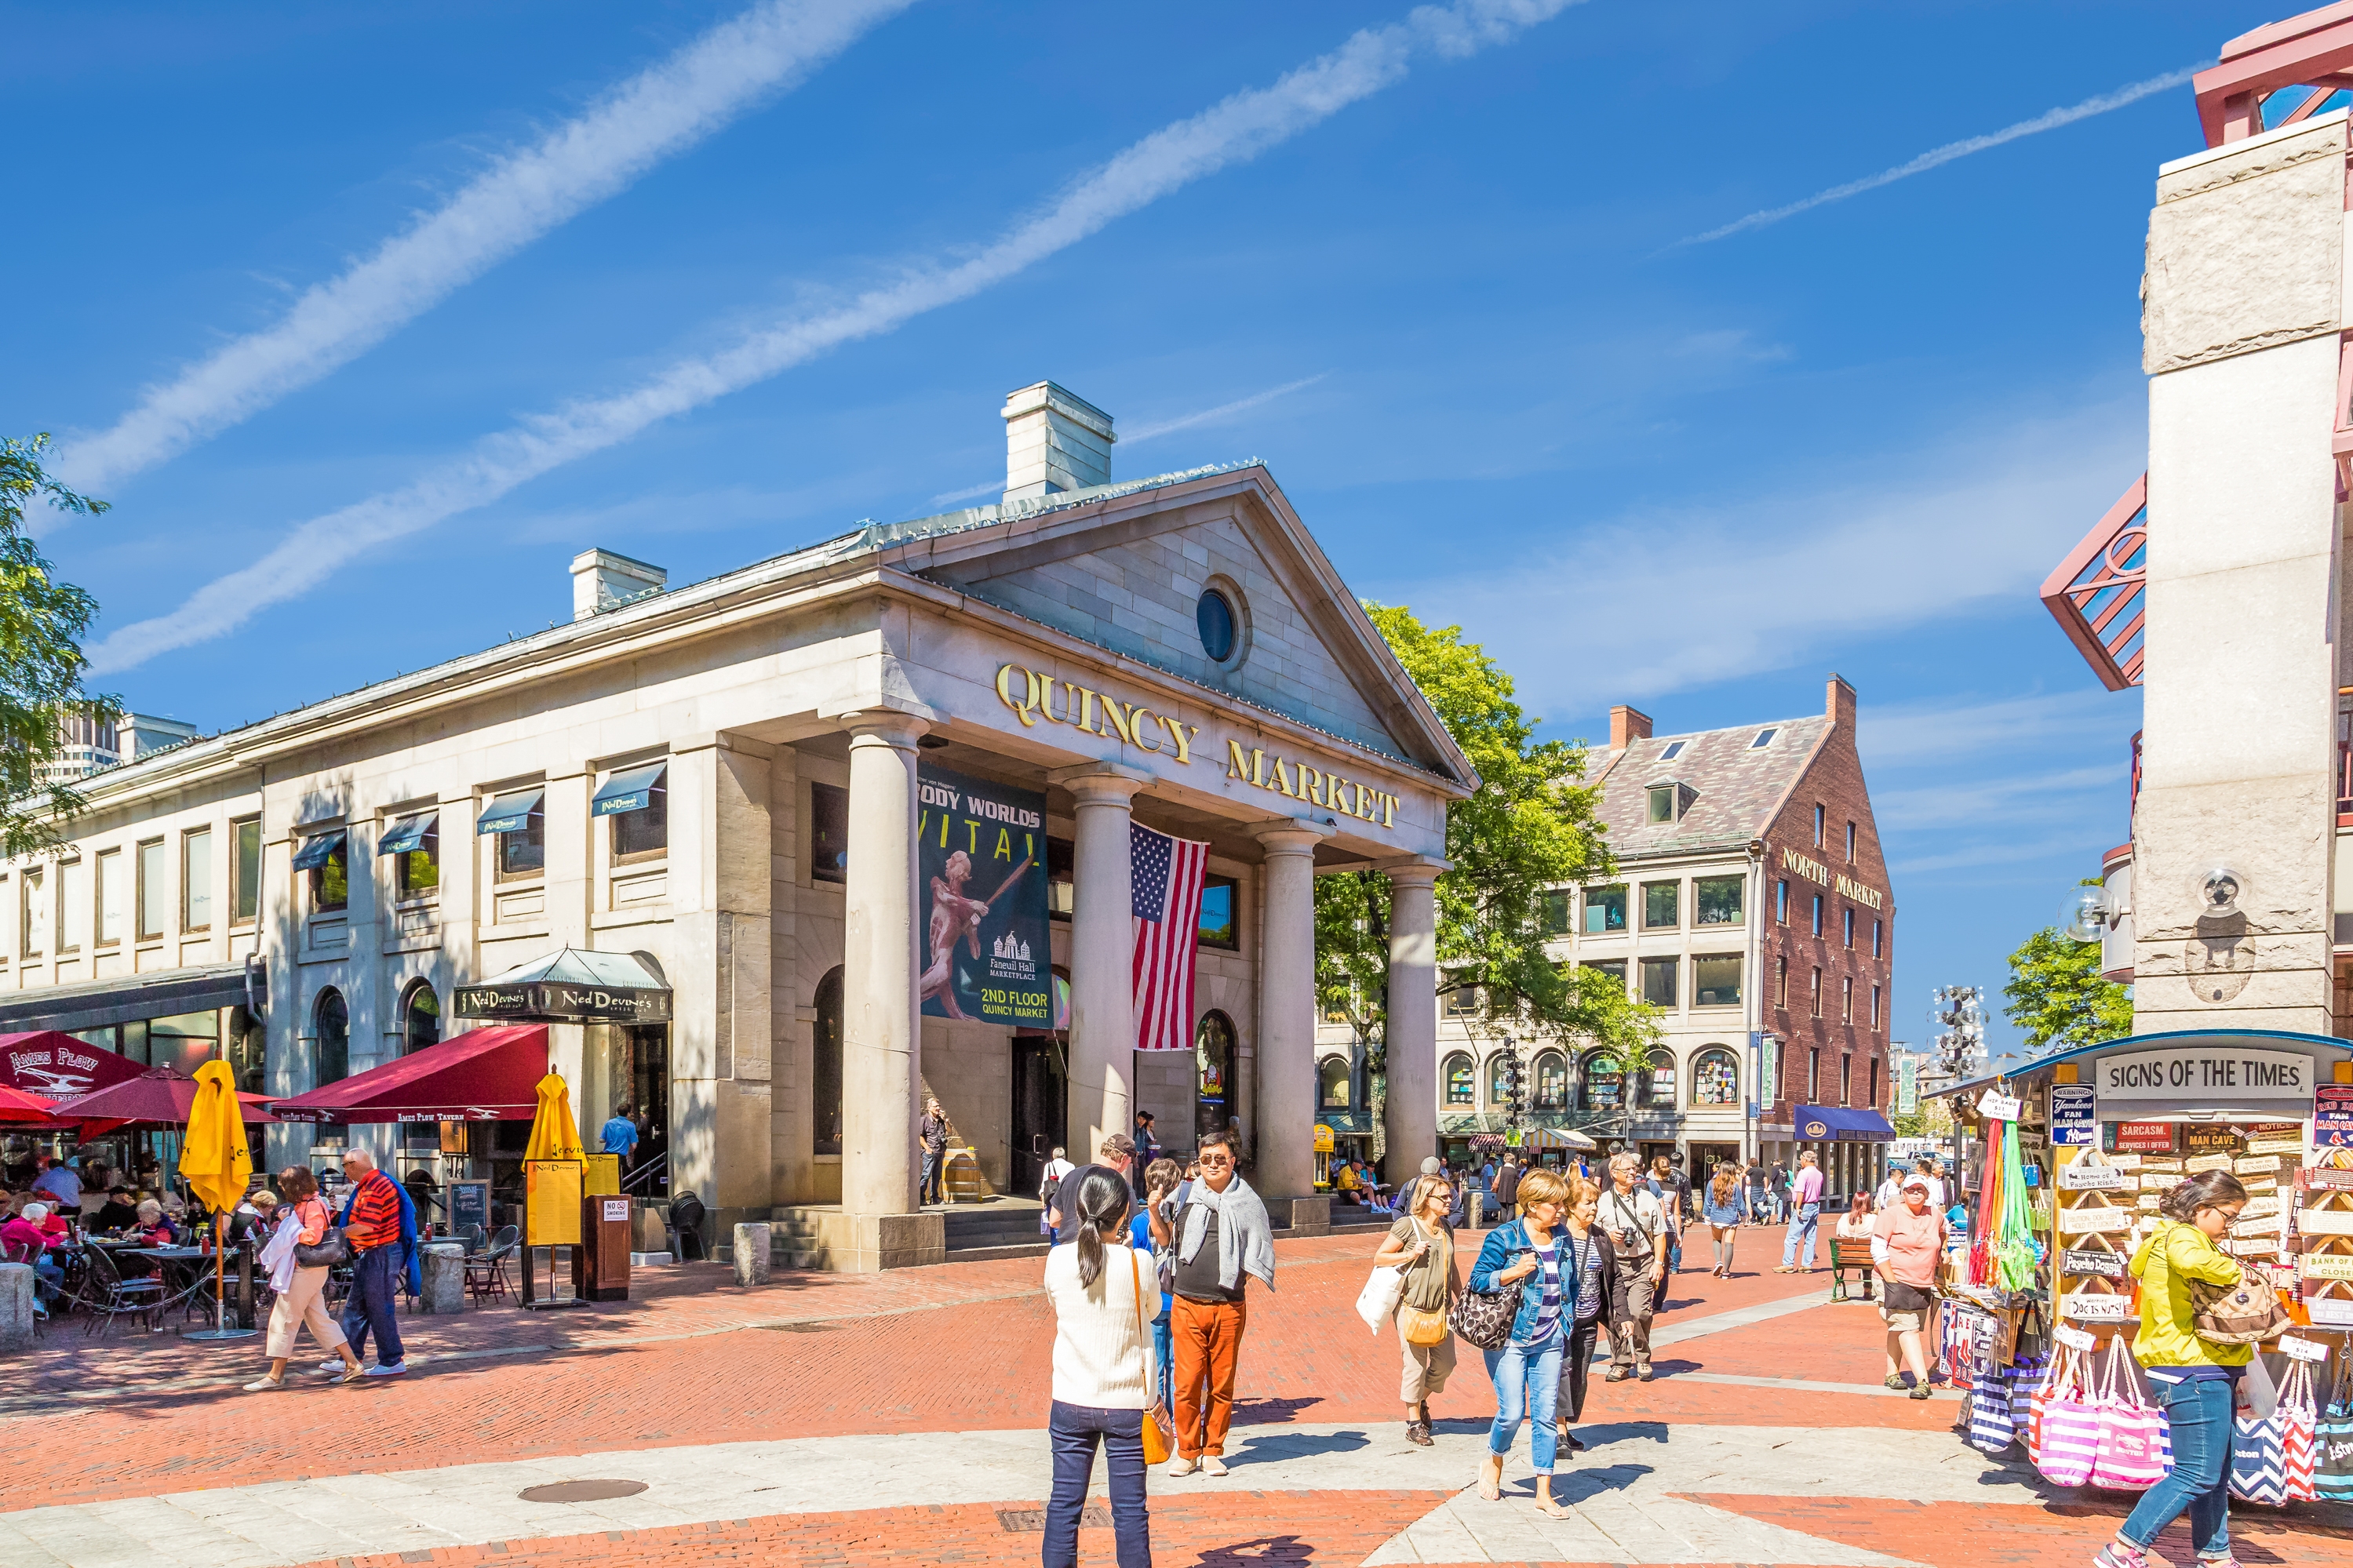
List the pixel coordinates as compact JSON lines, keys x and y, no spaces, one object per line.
{"x":2332,"y":1449}
{"x":2069,"y":1426}
{"x":2259,"y":1453}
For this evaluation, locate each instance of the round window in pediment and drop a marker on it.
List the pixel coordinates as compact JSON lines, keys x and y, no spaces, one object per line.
{"x":1215,"y":615}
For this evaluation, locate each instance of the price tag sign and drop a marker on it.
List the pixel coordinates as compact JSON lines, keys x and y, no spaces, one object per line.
{"x":2302,"y":1350}
{"x":1996,"y":1107}
{"x":2073,"y":1339}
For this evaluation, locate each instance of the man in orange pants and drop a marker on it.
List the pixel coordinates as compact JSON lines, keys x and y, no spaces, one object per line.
{"x":1222,"y":1236}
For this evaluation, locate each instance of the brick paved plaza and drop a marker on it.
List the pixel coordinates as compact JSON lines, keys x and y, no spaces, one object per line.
{"x":899,"y":1418}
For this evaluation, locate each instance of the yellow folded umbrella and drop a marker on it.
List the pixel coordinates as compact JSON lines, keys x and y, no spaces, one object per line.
{"x":554,"y":1135}
{"x":214,"y":1157}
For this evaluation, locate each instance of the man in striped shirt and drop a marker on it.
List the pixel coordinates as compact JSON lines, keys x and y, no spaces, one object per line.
{"x":371,"y":1225}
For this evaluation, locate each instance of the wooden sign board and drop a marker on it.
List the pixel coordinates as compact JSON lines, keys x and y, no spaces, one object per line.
{"x":2325,"y":1266}
{"x":2198,"y":1164}
{"x":2090,"y":1307}
{"x":2103,"y":1265}
{"x":2212,"y":1140}
{"x":2080,"y":1220}
{"x":2083,"y":1176}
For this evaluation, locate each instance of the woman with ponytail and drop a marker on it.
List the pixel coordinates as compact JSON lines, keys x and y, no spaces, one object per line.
{"x":2195,"y":1379}
{"x":1104,"y":1291}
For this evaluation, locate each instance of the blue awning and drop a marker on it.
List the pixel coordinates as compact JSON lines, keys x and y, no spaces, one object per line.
{"x":631,"y":791}
{"x":317,"y":848}
{"x":407,"y":833}
{"x":1830,"y":1124}
{"x":509,"y":812}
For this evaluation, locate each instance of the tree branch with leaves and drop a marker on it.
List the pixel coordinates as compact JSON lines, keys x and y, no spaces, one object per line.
{"x":2056,"y":996}
{"x":1530,"y":828}
{"x":42,"y":623}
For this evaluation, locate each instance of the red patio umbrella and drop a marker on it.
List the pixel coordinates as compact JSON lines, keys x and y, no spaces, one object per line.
{"x":160,"y":1097}
{"x":17,"y":1106}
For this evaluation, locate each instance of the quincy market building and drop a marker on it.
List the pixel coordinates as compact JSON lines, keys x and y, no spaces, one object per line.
{"x":714,"y":794}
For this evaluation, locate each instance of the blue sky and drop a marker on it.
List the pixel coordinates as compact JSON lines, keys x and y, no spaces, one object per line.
{"x":1695,"y":477}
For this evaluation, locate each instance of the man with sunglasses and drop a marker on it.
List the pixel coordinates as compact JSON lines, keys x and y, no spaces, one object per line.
{"x":1223,"y":1235}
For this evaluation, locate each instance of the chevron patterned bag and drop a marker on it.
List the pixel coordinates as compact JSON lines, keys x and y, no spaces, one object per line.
{"x":2332,"y":1456}
{"x":2134,"y":1450}
{"x":2265,"y":1449}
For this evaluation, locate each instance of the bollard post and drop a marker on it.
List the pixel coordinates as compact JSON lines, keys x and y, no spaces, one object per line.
{"x":443,"y":1264}
{"x":16,"y":1306}
{"x":751,"y":1258}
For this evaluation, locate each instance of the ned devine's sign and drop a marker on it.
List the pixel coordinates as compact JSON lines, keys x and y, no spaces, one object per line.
{"x":2207,"y":1074}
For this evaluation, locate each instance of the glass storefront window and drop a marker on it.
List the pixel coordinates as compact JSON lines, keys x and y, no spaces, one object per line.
{"x":1459,"y":1085}
{"x":1552,"y":1082}
{"x":1715,"y":1077}
{"x":1605,"y":1081}
{"x":1715,"y":980}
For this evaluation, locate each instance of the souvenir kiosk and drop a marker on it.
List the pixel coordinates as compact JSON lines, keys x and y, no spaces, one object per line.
{"x":2061,"y":1168}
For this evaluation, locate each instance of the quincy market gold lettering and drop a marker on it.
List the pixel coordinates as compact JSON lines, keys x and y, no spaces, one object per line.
{"x":1035,"y":696}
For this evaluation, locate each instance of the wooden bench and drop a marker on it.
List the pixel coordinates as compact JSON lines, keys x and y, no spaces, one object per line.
{"x":1846,"y":1255}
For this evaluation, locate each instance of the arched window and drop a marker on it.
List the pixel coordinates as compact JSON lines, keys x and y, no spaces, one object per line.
{"x":1213,"y":1073}
{"x":420,"y":1018}
{"x":1715,"y":1077}
{"x":1332,"y":1084}
{"x":1460,"y":1082}
{"x":1659,"y":1079}
{"x":332,"y":1053}
{"x":1498,"y":1068}
{"x":825,"y":1066}
{"x":1552,"y":1082}
{"x":1604,"y":1081}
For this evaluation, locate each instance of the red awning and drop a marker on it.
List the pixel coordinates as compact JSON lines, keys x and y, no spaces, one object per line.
{"x":60,"y":1067}
{"x":158,"y":1097}
{"x":482,"y":1075}
{"x":17,"y":1106}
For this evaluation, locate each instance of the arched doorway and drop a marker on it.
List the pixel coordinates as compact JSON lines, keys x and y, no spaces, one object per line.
{"x":330,"y":1056}
{"x":420,"y":1018}
{"x":825,"y":1066}
{"x":1213,"y":1073}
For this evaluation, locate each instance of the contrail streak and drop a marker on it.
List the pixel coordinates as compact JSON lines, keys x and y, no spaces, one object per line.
{"x":661,"y":111}
{"x":1938,"y":156}
{"x":1187,"y":421}
{"x":1238,"y":129}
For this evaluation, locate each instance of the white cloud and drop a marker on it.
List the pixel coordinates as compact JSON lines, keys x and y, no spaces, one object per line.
{"x":1936,"y":157}
{"x":1762,"y":583}
{"x":1896,"y":734}
{"x":1972,"y":803}
{"x":986,"y":487}
{"x":1187,"y":421}
{"x":1239,"y":128}
{"x":658,"y":113}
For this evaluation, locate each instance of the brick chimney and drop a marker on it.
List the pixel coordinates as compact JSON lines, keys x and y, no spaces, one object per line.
{"x":1841,"y":703}
{"x":1627,"y":725}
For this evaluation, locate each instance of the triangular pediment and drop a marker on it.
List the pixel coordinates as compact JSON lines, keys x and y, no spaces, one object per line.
{"x":1127,"y":573}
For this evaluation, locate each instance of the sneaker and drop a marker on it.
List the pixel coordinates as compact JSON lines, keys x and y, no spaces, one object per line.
{"x":394,"y":1370}
{"x":1895,"y":1383}
{"x":1617,"y":1374}
{"x":1181,"y":1465}
{"x":1643,"y":1373}
{"x":1416,"y":1433}
{"x":264,"y":1385}
{"x":332,"y":1364}
{"x":1921,"y":1391}
{"x":2114,"y":1556}
{"x":1212,"y":1466}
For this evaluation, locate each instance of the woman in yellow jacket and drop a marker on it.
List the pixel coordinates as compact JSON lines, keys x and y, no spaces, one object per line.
{"x":2196,"y":1380}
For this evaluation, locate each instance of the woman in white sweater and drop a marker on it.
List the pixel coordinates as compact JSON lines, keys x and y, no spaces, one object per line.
{"x":1102,"y":1344}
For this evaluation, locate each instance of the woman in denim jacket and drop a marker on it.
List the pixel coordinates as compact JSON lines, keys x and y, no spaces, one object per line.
{"x":1565,"y":1285}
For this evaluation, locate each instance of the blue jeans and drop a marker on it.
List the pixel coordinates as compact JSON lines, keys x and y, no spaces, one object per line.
{"x":1527,"y":1384}
{"x":1073,"y":1429}
{"x":929,"y":1192}
{"x":375,"y":1286}
{"x":2200,"y":1415}
{"x":1164,"y":1352}
{"x":1801,"y":1223}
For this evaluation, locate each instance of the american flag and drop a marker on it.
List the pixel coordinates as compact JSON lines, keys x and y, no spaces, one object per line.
{"x":1167,"y":873}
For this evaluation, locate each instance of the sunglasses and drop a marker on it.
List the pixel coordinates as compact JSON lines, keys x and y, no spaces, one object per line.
{"x":1215,"y":1160}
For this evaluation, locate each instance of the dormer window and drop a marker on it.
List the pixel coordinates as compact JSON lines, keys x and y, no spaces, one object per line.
{"x":1675,"y":749}
{"x":1764,"y":738}
{"x":1666,"y":801}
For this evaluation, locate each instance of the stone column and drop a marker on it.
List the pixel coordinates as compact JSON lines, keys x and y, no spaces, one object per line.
{"x":1103,"y":947}
{"x":1412,"y":1114}
{"x":1285,"y":1132}
{"x":879,"y":1047}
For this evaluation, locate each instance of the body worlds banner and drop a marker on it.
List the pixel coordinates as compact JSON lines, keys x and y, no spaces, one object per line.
{"x":986,"y":953}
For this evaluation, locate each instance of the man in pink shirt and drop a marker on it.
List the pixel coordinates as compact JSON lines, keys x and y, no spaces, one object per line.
{"x":1805,"y":1214}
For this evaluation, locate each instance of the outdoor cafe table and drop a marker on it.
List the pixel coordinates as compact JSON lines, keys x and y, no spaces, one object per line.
{"x":171,"y":1258}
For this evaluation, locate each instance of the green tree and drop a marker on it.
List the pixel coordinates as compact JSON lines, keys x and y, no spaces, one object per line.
{"x":2056,"y":993}
{"x":42,"y":622}
{"x":1529,"y":829}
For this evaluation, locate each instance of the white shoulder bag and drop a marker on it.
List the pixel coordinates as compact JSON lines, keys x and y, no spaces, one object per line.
{"x":1377,"y":1303}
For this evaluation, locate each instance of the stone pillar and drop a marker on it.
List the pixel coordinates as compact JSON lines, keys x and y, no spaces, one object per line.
{"x":1285,"y":1132}
{"x":443,"y":1268}
{"x":16,"y":1282}
{"x":1103,"y":947}
{"x":1412,"y":1114}
{"x":880,"y":1048}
